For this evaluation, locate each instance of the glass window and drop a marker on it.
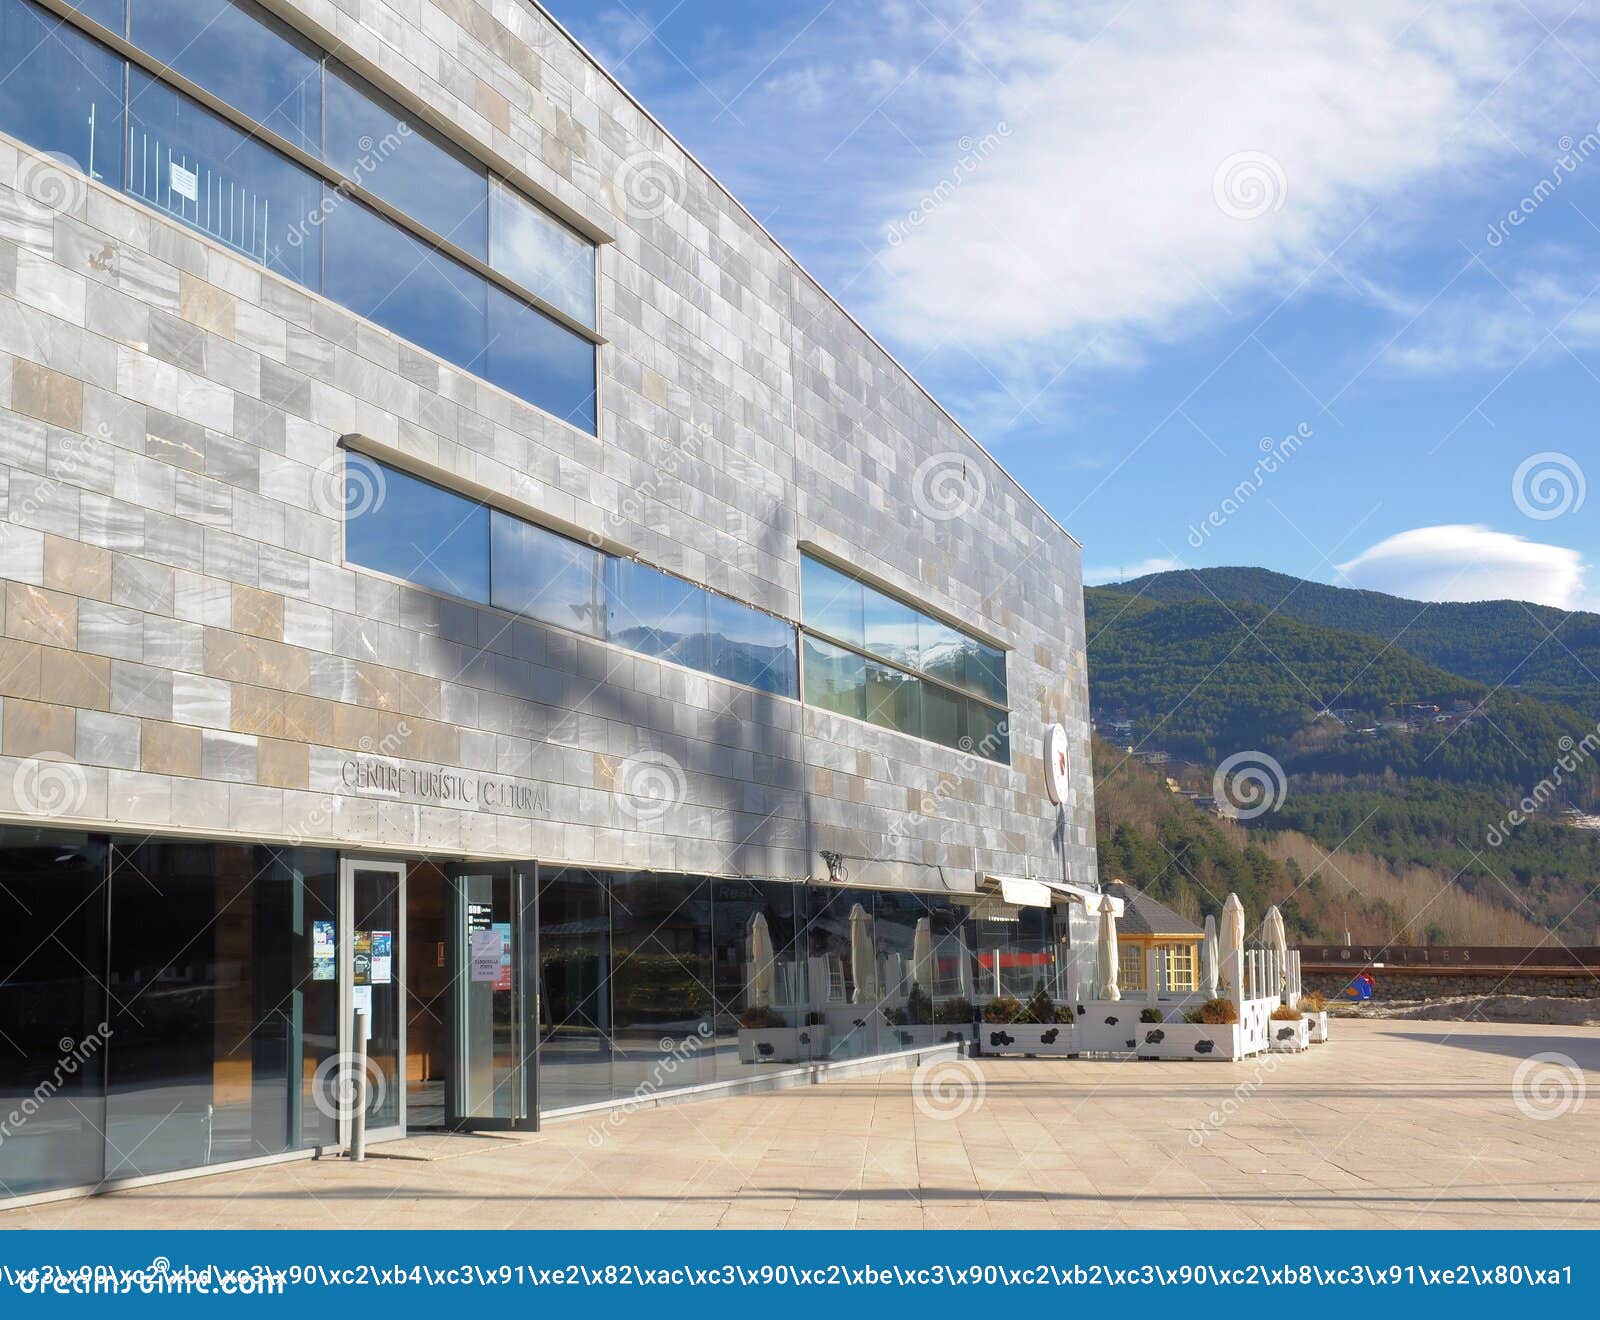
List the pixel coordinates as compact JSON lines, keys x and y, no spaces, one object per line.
{"x":894,"y":699}
{"x":209,"y":965}
{"x":412,"y":529}
{"x":763,"y":1015}
{"x":1130,"y":967}
{"x":540,"y":360}
{"x":942,"y":651}
{"x":543,"y":575}
{"x":372,"y":142}
{"x":52,"y":1009}
{"x":990,"y":731}
{"x":62,"y":93}
{"x":890,"y":628}
{"x":1180,"y":966}
{"x":660,"y":982}
{"x":184,"y":160}
{"x":241,"y":55}
{"x":835,"y":679}
{"x":649,"y":612}
{"x":381,"y":272}
{"x":840,"y":938}
{"x":830,"y":601}
{"x":944,"y":715}
{"x":574,"y":990}
{"x":107,"y":13}
{"x":531,"y":246}
{"x":749,"y":646}
{"x":986,"y":671}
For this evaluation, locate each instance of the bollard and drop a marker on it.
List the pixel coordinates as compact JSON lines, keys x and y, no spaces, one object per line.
{"x":358,"y":1119}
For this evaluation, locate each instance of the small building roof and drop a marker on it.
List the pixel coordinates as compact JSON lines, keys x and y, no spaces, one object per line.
{"x":1143,"y":915}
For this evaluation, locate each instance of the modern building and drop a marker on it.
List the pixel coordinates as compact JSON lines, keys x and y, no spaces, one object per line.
{"x":462,"y":576}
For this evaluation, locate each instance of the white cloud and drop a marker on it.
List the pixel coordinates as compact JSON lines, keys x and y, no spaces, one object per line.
{"x":1094,"y":220}
{"x":1466,"y":562}
{"x":1096,"y":577}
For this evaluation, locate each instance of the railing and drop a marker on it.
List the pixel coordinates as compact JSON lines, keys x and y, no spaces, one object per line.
{"x":187,"y":188}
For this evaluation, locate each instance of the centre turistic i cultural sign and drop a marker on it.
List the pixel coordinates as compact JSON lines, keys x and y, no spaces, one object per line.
{"x":442,"y":786}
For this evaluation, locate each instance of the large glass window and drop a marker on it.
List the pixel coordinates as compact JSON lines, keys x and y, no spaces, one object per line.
{"x":574,"y":989}
{"x":544,"y":576}
{"x":540,"y":253}
{"x":108,"y":13}
{"x":412,"y":529}
{"x":535,"y":357}
{"x":53,"y":1031}
{"x":764,"y":1015}
{"x":372,"y":141}
{"x":197,"y":167}
{"x":748,"y":646}
{"x":62,"y":92}
{"x":210,"y":946}
{"x":933,"y":669}
{"x":655,"y":614}
{"x":242,"y":55}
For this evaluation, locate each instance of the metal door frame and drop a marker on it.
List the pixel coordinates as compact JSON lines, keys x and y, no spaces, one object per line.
{"x":348,"y":865}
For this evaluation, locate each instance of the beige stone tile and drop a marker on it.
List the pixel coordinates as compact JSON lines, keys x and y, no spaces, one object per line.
{"x":47,"y":395}
{"x":283,"y":764}
{"x":258,"y":710}
{"x":33,"y":728}
{"x":169,"y":749}
{"x":71,"y":678}
{"x":258,"y":613}
{"x":19,"y":668}
{"x":35,"y":614}
{"x":206,"y":305}
{"x":72,"y":566}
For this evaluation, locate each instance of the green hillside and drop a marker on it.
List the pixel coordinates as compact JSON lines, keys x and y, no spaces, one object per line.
{"x":1538,"y":650}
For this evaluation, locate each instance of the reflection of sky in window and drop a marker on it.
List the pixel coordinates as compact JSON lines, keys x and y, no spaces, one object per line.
{"x":542,"y":254}
{"x":418,"y":531}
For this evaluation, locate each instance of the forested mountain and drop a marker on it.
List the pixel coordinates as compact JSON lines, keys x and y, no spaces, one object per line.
{"x":1538,"y":650}
{"x":1395,"y":734}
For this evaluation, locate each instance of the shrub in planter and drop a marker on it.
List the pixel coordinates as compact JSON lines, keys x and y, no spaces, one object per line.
{"x":816,"y":1018}
{"x":761,"y":1019}
{"x":896,"y":1017}
{"x":1065,"y":1015}
{"x":1194,"y":1015}
{"x":1040,"y":1008}
{"x":1218,"y":1012}
{"x":1283,"y":1013}
{"x":953,"y":1011}
{"x":919,"y":1007}
{"x":1002,"y":1010}
{"x":1313,"y":1002}
{"x":1151,"y":1015}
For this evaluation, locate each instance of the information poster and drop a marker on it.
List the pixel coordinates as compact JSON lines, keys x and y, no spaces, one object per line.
{"x":502,"y":979}
{"x":382,"y":957}
{"x":486,"y":955}
{"x":362,"y":964}
{"x":324,"y":951}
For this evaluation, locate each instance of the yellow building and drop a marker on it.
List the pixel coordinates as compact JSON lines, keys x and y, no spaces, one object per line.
{"x":1147,"y":923}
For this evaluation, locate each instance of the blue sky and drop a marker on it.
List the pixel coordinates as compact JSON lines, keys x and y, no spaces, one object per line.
{"x":1135,"y":247}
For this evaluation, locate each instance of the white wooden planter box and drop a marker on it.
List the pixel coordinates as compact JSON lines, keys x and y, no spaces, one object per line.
{"x":1056,"y":1039}
{"x":892,"y":1037}
{"x":1190,"y":1040}
{"x":782,"y":1044}
{"x":1288,"y":1037}
{"x":1317,"y":1025}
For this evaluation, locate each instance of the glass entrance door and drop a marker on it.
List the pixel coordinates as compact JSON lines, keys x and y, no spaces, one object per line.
{"x":493,"y":933}
{"x":370,"y":942}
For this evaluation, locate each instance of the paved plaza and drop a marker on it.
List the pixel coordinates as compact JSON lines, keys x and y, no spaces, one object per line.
{"x":1394,"y":1124}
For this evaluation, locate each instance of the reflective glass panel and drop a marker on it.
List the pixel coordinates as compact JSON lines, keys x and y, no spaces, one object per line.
{"x":371,"y":141}
{"x":748,"y":646}
{"x":532,"y":247}
{"x":545,"y":576}
{"x":187,"y":162}
{"x":990,"y":731}
{"x":835,"y":679}
{"x":894,"y":699}
{"x":655,"y":614}
{"x":381,"y":272}
{"x":942,"y":651}
{"x":890,"y":628}
{"x":986,"y":671}
{"x":62,"y":94}
{"x":845,"y":972}
{"x":241,"y":55}
{"x":538,"y":359}
{"x":574,"y":990}
{"x":412,"y":529}
{"x":764,"y":1018}
{"x":944,"y":715}
{"x":830,"y":601}
{"x":52,"y":1009}
{"x":108,"y":13}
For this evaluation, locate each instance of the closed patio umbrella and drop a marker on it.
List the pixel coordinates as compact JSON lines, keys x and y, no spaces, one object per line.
{"x":1231,"y":939}
{"x":863,"y":965}
{"x":1276,"y":939}
{"x":1208,"y":958}
{"x":922,"y":955}
{"x":758,"y":993}
{"x":1108,"y":953}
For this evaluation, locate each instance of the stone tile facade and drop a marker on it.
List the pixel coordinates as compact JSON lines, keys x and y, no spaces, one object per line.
{"x":182,"y":635}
